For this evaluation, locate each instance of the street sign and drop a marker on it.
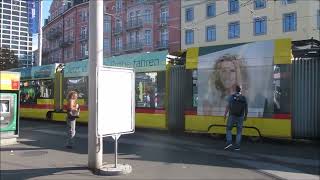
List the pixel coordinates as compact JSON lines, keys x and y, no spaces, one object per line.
{"x":116,"y":101}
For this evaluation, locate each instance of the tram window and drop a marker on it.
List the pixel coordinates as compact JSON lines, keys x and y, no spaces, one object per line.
{"x":28,"y":92}
{"x":281,"y":89}
{"x":194,"y":88}
{"x":44,"y":89}
{"x":37,"y":89}
{"x":79,"y":84}
{"x":150,"y":89}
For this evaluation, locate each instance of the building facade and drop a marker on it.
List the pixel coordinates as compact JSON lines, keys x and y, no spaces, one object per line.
{"x":213,"y":22}
{"x":129,"y":27}
{"x":15,"y":32}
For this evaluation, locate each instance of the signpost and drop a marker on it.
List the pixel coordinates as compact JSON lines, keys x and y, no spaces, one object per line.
{"x":109,"y":90}
{"x":116,"y":109}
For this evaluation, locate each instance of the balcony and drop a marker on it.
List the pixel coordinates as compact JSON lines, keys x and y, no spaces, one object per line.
{"x":163,"y":21}
{"x":84,"y":54}
{"x":142,"y":2}
{"x":54,"y":33}
{"x":161,"y":45}
{"x":66,"y":42}
{"x":84,"y":37}
{"x":117,"y":30}
{"x":164,"y":1}
{"x":134,"y":46}
{"x":117,"y":51}
{"x":134,"y":24}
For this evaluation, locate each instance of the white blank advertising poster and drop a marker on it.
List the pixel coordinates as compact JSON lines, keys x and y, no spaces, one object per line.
{"x":116,"y":101}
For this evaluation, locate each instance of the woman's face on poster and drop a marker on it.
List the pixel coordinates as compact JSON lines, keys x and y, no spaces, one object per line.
{"x":228,"y":74}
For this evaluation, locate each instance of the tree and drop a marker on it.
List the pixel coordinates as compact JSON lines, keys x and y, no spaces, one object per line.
{"x":8,"y":59}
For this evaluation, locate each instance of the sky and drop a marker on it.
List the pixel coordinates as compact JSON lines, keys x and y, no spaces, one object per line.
{"x":45,"y":13}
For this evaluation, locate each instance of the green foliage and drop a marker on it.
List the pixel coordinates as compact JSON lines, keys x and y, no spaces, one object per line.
{"x":8,"y":59}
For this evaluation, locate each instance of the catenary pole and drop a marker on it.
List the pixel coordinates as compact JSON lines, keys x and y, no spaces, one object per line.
{"x":95,"y":145}
{"x":40,"y":34}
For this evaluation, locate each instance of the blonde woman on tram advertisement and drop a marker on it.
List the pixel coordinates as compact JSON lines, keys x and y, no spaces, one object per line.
{"x":250,"y":66}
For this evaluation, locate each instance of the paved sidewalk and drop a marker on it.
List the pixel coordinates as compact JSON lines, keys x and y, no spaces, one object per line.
{"x":40,"y":154}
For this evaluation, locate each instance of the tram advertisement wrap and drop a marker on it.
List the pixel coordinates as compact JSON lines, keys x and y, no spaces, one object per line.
{"x":249,"y":65}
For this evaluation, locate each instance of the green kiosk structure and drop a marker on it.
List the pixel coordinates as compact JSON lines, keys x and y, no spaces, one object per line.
{"x":9,"y":107}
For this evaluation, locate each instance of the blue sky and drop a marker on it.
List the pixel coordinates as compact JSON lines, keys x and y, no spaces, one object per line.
{"x":45,"y":13}
{"x":45,"y":9}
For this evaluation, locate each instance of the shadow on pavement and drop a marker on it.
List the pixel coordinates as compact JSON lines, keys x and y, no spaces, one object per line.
{"x":20,"y":149}
{"x":37,"y":173}
{"x":161,"y":150}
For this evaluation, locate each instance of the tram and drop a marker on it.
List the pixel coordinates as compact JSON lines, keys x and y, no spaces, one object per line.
{"x":44,"y":89}
{"x":40,"y":91}
{"x":263,"y":69}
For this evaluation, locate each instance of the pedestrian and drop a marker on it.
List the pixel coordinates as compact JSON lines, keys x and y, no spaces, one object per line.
{"x":73,"y":111}
{"x":237,"y":107}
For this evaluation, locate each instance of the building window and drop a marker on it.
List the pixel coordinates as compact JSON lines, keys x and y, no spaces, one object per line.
{"x":118,"y":6}
{"x":233,"y":6}
{"x":23,"y":29}
{"x":65,"y":53}
{"x":288,"y":1}
{"x":7,"y":22}
{"x":260,"y":26}
{"x":21,"y":33}
{"x":138,"y":14}
{"x":8,"y":12}
{"x":147,"y":16}
{"x":106,"y":45}
{"x":131,"y":16}
{"x":23,"y":19}
{"x":259,"y":4}
{"x":290,"y":22}
{"x":211,"y":10}
{"x":131,"y":37}
{"x":14,"y":28}
{"x":164,"y":35}
{"x":189,"y":37}
{"x":164,"y":15}
{"x":6,"y":41}
{"x":7,"y":6}
{"x":147,"y":37}
{"x":7,"y":36}
{"x":83,"y":32}
{"x":137,"y":36}
{"x":107,"y":23}
{"x":84,"y":49}
{"x":234,"y":30}
{"x":118,"y":43}
{"x":211,"y":33}
{"x":8,"y":27}
{"x":84,"y":15}
{"x":318,"y":19}
{"x":17,"y":14}
{"x":17,"y":19}
{"x":189,"y":14}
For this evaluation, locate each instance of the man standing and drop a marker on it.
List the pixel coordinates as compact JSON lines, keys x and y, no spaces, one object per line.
{"x":238,"y":109}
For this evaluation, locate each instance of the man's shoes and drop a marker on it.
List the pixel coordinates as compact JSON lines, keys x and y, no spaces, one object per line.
{"x":69,"y":147}
{"x":237,"y":149}
{"x":227,"y":146}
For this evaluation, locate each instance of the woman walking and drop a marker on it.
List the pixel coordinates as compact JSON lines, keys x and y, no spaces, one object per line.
{"x":72,"y":113}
